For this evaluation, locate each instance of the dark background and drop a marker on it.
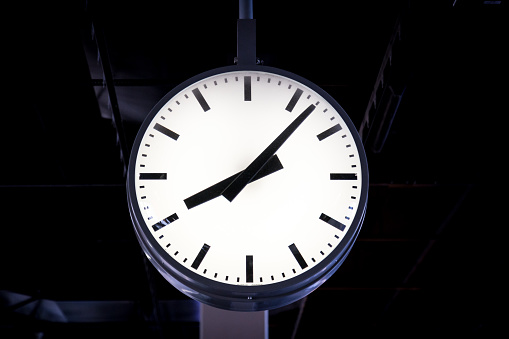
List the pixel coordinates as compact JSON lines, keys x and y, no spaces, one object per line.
{"x":430,"y":256}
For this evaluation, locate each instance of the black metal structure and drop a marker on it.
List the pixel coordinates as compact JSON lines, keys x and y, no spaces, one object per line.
{"x":429,"y":257}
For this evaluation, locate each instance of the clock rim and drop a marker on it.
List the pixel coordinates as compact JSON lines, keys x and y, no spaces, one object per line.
{"x":244,"y":297}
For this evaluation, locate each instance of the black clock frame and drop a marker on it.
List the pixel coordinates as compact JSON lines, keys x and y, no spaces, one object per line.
{"x":248,"y":297}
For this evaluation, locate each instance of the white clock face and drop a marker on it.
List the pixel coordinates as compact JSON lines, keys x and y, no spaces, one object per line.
{"x":289,"y":216}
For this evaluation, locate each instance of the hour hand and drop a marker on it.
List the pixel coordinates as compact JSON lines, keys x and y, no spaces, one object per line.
{"x":216,"y":190}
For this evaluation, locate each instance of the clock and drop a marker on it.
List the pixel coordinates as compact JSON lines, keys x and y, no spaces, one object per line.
{"x":247,"y":187}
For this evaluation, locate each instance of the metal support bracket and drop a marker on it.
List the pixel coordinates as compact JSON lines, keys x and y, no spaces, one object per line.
{"x":246,"y":42}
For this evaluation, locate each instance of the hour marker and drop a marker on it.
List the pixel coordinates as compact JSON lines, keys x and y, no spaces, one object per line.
{"x":199,"y":258}
{"x":294,"y":99}
{"x":332,"y":222}
{"x":247,"y":88}
{"x":165,"y":222}
{"x":167,"y":132}
{"x":343,"y":176}
{"x":329,"y":132}
{"x":249,"y":268}
{"x":152,"y":176}
{"x":201,"y":100}
{"x":298,"y":256}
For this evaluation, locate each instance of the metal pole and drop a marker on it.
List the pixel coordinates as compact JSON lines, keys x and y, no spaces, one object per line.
{"x":245,"y":9}
{"x":246,"y":34}
{"x":217,"y":323}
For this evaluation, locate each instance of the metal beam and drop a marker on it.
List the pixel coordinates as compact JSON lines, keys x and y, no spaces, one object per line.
{"x":112,"y":95}
{"x":385,"y":98}
{"x":93,"y":311}
{"x":429,"y":246}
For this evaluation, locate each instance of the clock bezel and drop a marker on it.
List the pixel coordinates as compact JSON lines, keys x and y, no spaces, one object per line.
{"x":244,"y":297}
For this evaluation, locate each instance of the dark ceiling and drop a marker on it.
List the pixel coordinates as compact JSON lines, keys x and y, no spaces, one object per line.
{"x":428,"y":259}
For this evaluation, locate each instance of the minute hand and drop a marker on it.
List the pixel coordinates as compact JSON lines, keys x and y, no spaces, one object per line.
{"x":250,"y":172}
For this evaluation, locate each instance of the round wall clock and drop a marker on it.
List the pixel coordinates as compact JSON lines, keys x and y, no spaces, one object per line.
{"x":247,"y":187}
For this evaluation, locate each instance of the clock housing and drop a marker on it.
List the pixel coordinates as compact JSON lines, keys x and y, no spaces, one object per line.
{"x":289,"y":229}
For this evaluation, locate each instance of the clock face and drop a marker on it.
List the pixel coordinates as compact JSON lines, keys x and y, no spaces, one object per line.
{"x":245,"y":184}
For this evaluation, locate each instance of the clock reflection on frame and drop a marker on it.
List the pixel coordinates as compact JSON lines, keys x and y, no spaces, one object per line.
{"x":247,"y":187}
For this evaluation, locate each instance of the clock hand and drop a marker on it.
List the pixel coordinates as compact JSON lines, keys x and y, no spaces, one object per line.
{"x":244,"y":178}
{"x":273,"y":165}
